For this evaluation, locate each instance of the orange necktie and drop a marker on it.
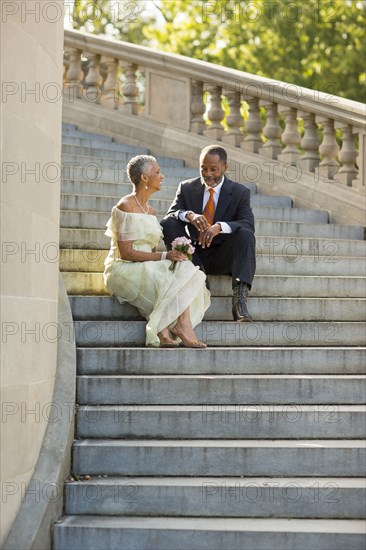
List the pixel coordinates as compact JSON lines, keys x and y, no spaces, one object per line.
{"x":209,"y":209}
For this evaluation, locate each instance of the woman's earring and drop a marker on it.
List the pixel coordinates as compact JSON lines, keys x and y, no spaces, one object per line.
{"x":146,"y":187}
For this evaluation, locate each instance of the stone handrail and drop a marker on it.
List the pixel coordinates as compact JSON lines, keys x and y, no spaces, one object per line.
{"x":302,"y":127}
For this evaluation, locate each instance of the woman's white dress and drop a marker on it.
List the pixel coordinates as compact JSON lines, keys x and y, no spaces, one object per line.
{"x":159,"y":294}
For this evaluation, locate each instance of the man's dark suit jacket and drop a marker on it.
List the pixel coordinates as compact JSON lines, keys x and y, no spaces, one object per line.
{"x":233,"y":206}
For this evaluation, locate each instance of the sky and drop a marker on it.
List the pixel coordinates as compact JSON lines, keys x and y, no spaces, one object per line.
{"x":123,"y":9}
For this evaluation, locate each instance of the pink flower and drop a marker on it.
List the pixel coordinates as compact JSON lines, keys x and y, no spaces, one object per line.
{"x":184,"y":245}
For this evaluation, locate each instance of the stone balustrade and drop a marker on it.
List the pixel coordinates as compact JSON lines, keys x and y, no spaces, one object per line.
{"x":318,"y":132}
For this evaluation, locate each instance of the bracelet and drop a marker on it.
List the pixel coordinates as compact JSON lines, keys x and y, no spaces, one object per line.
{"x":163,"y":255}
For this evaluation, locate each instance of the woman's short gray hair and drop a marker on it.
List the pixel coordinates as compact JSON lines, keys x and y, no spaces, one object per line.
{"x":141,"y":164}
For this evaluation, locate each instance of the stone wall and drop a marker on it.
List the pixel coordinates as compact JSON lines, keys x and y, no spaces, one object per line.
{"x":31,"y":45}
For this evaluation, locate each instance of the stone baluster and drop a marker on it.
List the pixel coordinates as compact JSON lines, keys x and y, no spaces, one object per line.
{"x":93,"y":80}
{"x":74,"y":75}
{"x":347,"y":155}
{"x":310,"y":142}
{"x":142,"y":87}
{"x":234,"y":120}
{"x":272,"y":131}
{"x":198,"y":107}
{"x":216,"y":114}
{"x":328,"y":149}
{"x":290,"y":137}
{"x":360,"y":181}
{"x":66,"y":66}
{"x":130,"y":90}
{"x":253,"y":126}
{"x":111,"y":86}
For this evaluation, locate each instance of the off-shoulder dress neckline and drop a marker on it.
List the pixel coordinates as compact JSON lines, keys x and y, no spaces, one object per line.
{"x":135,"y":213}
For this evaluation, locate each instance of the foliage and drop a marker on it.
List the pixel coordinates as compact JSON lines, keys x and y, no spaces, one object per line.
{"x":318,"y":44}
{"x":122,"y":19}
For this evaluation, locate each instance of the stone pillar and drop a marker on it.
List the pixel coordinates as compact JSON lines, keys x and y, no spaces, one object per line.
{"x":32,"y":60}
{"x":130,"y":90}
{"x":74,"y":74}
{"x":310,"y":142}
{"x":347,"y":155}
{"x":168,"y":99}
{"x":360,"y":181}
{"x":290,"y":137}
{"x":111,"y":88}
{"x":234,"y":120}
{"x":198,"y":108}
{"x":216,"y":114}
{"x":272,"y":131}
{"x":329,"y":166}
{"x":253,"y":126}
{"x":93,"y":79}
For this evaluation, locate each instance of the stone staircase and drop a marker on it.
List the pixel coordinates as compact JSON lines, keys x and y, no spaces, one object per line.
{"x":254,"y":443}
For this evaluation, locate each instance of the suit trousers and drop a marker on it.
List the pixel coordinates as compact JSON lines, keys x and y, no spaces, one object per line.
{"x":230,"y":254}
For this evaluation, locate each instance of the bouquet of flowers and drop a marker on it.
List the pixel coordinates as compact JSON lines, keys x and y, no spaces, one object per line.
{"x":184,"y":245}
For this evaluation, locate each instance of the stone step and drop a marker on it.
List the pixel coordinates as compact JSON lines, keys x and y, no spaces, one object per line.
{"x":155,"y":533}
{"x":115,"y":160}
{"x":266,"y":245}
{"x":92,"y":284}
{"x":122,"y":153}
{"x":84,"y":145}
{"x":98,"y":203}
{"x":72,"y":132}
{"x":99,"y":188}
{"x":94,"y":173}
{"x":74,"y":259}
{"x":221,"y":421}
{"x":106,"y":185}
{"x":292,"y":497}
{"x":87,"y":168}
{"x":208,"y":457}
{"x":77,"y":140}
{"x":97,"y":220}
{"x":261,"y":309}
{"x":218,"y":333}
{"x":162,"y":206}
{"x":74,"y":163}
{"x":300,"y":394}
{"x":224,"y":389}
{"x":220,"y":360}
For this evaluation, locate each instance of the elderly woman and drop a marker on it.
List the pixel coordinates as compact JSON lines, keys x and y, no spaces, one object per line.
{"x":172,"y":301}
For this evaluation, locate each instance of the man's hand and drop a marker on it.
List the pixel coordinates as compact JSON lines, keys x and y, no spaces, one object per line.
{"x":198,"y":221}
{"x":206,"y":237}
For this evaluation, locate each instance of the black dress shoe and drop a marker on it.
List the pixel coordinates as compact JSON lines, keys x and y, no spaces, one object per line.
{"x":239,"y":310}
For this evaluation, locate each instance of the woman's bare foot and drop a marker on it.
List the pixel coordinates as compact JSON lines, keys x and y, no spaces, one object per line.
{"x":187,"y":335}
{"x":166,"y":340}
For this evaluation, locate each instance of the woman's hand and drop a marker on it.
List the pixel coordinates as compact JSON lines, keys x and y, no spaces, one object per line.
{"x":176,"y":256}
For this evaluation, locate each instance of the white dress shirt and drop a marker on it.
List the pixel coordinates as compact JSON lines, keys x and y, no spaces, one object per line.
{"x":225,"y":227}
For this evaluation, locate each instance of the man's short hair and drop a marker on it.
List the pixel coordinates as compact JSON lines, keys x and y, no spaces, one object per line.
{"x":214,"y":150}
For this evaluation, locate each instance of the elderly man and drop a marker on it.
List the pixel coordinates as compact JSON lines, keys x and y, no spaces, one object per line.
{"x":216,"y":213}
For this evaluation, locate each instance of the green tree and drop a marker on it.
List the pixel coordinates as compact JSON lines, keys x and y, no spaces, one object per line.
{"x":122,"y":19}
{"x":318,"y":44}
